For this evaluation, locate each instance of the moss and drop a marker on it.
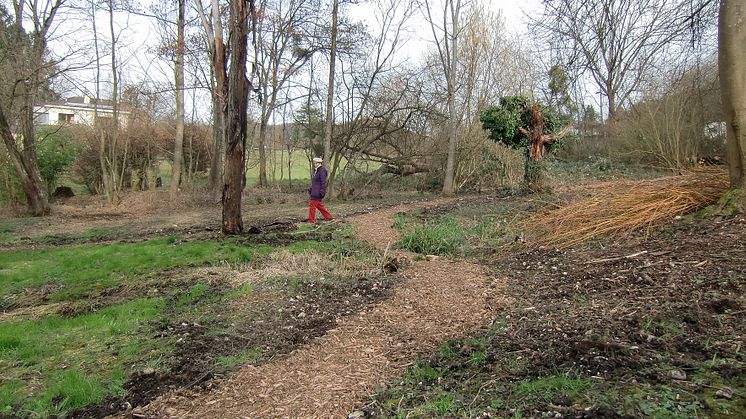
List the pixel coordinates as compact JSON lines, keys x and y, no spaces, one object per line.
{"x":732,"y":202}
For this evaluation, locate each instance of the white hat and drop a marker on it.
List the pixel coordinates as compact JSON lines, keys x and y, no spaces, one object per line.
{"x":318,"y":160}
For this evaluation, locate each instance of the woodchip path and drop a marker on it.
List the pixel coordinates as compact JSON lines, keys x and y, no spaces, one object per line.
{"x":439,"y":299}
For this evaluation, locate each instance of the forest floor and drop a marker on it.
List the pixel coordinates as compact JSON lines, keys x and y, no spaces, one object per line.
{"x":360,"y":316}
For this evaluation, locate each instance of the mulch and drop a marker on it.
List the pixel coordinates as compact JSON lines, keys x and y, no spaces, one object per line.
{"x":439,"y":299}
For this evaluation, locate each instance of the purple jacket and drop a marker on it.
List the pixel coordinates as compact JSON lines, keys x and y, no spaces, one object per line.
{"x":318,"y":183}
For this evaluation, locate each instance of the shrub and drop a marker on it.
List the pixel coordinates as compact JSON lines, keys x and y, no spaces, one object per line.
{"x":56,"y":150}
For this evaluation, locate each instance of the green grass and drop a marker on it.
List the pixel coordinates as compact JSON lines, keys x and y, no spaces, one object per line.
{"x":439,"y":237}
{"x":544,"y":389}
{"x":240,"y":359}
{"x":6,"y":234}
{"x":75,"y":271}
{"x":467,"y":231}
{"x":55,"y":364}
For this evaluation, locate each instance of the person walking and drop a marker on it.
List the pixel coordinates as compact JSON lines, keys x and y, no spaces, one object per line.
{"x":318,"y":191}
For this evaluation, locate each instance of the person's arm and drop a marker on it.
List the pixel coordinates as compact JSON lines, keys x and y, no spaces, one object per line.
{"x":324,"y":175}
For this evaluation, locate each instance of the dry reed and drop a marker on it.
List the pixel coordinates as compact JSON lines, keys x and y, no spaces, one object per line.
{"x":617,"y":208}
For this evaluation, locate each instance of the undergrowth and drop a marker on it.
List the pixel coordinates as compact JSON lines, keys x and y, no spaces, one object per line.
{"x":83,"y":320}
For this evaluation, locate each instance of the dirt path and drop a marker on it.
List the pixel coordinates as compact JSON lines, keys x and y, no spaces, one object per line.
{"x":438,"y":300}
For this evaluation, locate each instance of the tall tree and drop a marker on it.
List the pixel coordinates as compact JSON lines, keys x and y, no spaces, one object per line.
{"x":25,"y":75}
{"x":110,"y":151}
{"x":283,"y":47}
{"x":732,"y":63}
{"x":446,"y":36}
{"x":329,"y":122}
{"x":179,"y":90}
{"x":238,"y":99}
{"x":213,"y":26}
{"x":615,"y":41}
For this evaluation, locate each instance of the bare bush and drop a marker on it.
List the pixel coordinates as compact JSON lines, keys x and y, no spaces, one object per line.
{"x":667,"y":128}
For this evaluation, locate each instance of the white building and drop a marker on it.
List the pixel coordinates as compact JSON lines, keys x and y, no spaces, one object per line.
{"x":76,"y":110}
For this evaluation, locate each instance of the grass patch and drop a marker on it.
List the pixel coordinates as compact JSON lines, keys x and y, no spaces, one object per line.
{"x":438,"y":237}
{"x":75,"y":272}
{"x":233,"y":361}
{"x":544,"y":389}
{"x":55,"y":364}
{"x":469,"y":230}
{"x":661,"y":401}
{"x":6,"y":234}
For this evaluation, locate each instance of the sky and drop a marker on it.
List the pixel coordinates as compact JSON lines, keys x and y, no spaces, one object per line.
{"x":512,"y":12}
{"x":138,"y":37}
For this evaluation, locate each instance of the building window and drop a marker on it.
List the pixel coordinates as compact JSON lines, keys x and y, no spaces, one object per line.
{"x":65,"y":118}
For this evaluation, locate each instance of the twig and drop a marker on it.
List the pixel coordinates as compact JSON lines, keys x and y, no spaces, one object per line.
{"x":633,"y":255}
{"x":479,"y":391}
{"x":385,"y":252}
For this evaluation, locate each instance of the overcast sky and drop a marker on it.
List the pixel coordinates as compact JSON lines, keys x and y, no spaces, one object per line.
{"x":138,"y":37}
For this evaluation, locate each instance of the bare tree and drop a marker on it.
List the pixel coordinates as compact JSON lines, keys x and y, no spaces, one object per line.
{"x":329,"y":122}
{"x":213,"y":26}
{"x":732,"y":60}
{"x":369,"y":90}
{"x":283,"y":47}
{"x":446,"y":37}
{"x":238,"y":98}
{"x":26,"y":72}
{"x":616,"y":41}
{"x":110,"y":150}
{"x":176,"y":168}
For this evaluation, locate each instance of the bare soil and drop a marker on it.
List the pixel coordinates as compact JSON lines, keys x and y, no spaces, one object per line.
{"x":653,"y":320}
{"x":627,"y":312}
{"x":437,"y":300}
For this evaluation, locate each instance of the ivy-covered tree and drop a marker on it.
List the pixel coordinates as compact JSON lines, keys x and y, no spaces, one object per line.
{"x":519,"y":123}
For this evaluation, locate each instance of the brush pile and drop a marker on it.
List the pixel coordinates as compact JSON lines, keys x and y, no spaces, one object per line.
{"x":620,"y":207}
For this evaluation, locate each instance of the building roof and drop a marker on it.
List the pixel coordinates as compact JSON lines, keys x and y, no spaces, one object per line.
{"x":81,"y":103}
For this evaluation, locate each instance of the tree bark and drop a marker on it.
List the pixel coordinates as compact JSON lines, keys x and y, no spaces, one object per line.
{"x":214,"y":30}
{"x":28,"y":62}
{"x":263,"y":182}
{"x":732,"y":67}
{"x":452,"y":62}
{"x":27,"y":170}
{"x":176,"y":168}
{"x":238,"y":98}
{"x":329,"y":122}
{"x":533,"y":175}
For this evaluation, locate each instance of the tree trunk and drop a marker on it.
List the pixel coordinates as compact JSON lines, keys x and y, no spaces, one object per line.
{"x":218,"y":135}
{"x":732,"y":67}
{"x":115,"y":183}
{"x":238,"y":97}
{"x":27,"y":63}
{"x":263,"y":182}
{"x":27,"y":170}
{"x":218,"y":57}
{"x":452,"y":62}
{"x":533,"y":175}
{"x":176,"y":168}
{"x":329,"y":122}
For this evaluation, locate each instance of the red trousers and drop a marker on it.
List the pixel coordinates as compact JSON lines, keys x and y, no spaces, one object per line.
{"x":317,"y":204}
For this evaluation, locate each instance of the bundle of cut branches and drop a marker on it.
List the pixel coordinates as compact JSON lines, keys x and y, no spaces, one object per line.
{"x":618,"y":208}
